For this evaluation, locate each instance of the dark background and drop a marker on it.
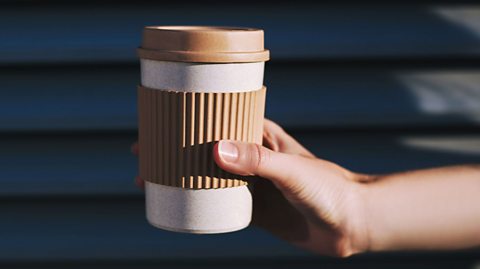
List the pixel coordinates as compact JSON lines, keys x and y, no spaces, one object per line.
{"x":375,"y":86}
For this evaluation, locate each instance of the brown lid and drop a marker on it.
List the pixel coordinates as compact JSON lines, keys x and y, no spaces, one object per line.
{"x":207,"y":44}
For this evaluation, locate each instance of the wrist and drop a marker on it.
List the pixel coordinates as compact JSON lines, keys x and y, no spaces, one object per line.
{"x":358,"y":229}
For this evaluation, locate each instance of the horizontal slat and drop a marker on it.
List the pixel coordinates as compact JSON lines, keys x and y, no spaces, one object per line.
{"x":421,"y":261}
{"x":68,"y":98}
{"x":83,"y":164}
{"x":112,"y":231}
{"x":298,"y":95}
{"x":319,"y":96}
{"x":219,"y":2}
{"x":110,"y":33}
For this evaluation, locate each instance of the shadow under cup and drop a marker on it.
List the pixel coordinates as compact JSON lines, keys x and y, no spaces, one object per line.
{"x":199,"y":85}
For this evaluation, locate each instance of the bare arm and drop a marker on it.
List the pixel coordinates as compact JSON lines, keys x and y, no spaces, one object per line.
{"x":425,"y":209}
{"x":340,"y":213}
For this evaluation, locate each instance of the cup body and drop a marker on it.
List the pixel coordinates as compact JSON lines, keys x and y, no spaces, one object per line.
{"x":184,"y":109}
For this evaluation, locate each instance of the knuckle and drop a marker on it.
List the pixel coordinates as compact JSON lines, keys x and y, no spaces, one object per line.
{"x":277,"y":128}
{"x":261,"y":156}
{"x":274,"y":126}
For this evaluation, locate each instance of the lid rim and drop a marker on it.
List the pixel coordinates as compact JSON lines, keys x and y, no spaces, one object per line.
{"x":204,"y":57}
{"x":201,"y":28}
{"x":203,"y":44}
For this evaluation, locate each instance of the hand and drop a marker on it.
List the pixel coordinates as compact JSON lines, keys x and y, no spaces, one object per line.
{"x":309,"y":202}
{"x":312,"y":203}
{"x":324,"y":208}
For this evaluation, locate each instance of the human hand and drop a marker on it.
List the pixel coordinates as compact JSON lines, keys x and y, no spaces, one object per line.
{"x":312,"y":203}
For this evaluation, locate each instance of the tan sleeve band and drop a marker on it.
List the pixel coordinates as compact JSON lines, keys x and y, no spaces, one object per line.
{"x":177,"y":131}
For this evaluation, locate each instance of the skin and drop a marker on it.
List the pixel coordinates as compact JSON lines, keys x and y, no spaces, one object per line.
{"x":327,"y":209}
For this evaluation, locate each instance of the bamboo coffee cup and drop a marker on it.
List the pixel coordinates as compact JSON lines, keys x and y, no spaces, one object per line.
{"x":199,"y":85}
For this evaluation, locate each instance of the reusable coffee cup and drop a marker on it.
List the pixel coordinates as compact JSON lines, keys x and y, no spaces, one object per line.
{"x":199,"y":85}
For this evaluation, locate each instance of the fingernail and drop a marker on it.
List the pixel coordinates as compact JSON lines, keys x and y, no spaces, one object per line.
{"x":228,"y":151}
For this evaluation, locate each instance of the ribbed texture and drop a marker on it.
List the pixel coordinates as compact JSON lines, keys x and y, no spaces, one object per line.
{"x":177,"y":131}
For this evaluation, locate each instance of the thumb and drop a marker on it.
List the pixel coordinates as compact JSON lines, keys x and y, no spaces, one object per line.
{"x":248,"y":159}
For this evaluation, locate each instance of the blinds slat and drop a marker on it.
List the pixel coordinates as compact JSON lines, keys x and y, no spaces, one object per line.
{"x":55,"y":165}
{"x":104,"y":97}
{"x":110,"y":33}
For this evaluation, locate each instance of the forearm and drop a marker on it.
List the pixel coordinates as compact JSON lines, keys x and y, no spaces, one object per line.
{"x":424,"y":209}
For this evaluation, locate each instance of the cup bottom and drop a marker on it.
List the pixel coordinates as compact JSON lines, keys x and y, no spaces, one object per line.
{"x":198,"y":211}
{"x":229,"y":230}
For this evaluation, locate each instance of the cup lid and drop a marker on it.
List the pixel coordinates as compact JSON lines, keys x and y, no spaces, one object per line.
{"x":209,"y":44}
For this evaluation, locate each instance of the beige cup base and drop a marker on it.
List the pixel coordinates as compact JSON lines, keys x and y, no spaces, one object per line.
{"x":171,"y":229}
{"x":198,"y":211}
